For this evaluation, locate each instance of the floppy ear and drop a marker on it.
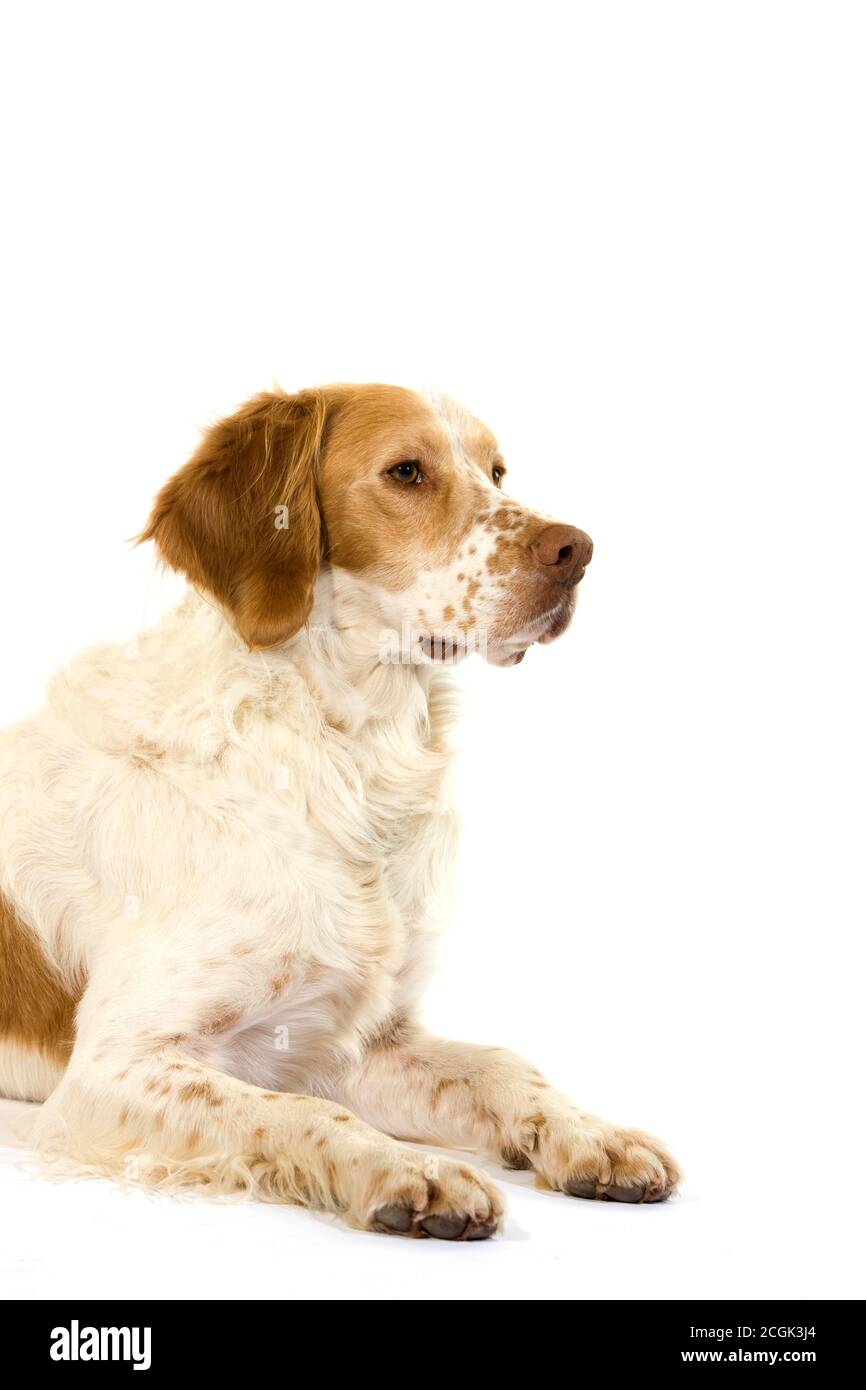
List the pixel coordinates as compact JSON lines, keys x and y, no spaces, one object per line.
{"x":241,"y":519}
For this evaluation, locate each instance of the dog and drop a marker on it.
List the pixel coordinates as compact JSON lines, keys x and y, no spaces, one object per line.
{"x":225,"y":848}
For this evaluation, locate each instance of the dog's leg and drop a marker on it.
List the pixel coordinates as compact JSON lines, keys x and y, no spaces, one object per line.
{"x":420,"y":1087}
{"x":138,"y":1102}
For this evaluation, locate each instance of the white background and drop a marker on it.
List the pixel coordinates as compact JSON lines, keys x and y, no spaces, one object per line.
{"x":630,"y":237}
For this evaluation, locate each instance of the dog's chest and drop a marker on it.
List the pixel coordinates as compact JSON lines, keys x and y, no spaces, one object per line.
{"x":359,"y":886}
{"x":399,"y":825}
{"x":373,"y":852}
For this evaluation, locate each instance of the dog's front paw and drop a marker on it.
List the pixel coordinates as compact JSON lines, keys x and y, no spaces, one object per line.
{"x":587,"y":1157}
{"x":408,"y":1193}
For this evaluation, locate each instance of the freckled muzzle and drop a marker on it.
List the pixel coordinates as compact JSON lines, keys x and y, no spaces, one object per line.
{"x":547,"y":562}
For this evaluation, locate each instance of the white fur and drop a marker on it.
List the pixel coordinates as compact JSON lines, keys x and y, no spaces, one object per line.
{"x":193,"y":797}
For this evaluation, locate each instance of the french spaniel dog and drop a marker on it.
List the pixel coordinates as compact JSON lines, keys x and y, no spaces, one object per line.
{"x":222,"y":848}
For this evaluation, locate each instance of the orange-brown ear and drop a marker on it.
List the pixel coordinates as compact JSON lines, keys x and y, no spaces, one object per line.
{"x":241,"y":519}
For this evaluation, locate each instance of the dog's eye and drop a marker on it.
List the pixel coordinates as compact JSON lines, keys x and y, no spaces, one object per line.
{"x":406,"y":472}
{"x":497,"y":475}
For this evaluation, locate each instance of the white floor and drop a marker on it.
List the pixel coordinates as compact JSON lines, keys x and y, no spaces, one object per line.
{"x":96,"y":1240}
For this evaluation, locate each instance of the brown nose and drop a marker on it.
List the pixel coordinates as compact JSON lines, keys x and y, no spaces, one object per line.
{"x":562,"y":550}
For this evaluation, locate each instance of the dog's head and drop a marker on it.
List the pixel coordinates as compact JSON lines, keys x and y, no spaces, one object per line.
{"x":396,"y":496}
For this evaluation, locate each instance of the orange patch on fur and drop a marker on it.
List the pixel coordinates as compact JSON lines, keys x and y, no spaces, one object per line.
{"x":36,"y":1008}
{"x":200,"y":1090}
{"x":221,"y":1020}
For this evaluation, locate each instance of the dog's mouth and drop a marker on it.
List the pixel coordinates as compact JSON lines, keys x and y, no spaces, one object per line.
{"x":556,"y":623}
{"x":550,"y":624}
{"x":542,"y":629}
